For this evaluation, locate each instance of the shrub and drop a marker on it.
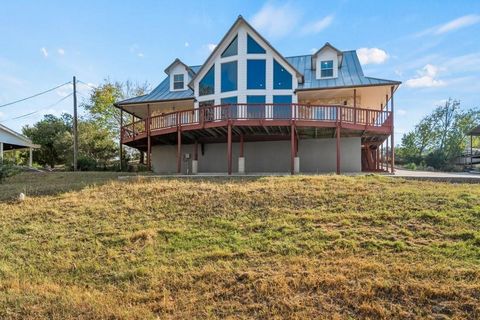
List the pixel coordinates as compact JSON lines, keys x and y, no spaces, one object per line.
{"x":86,"y":164}
{"x":411,"y":166}
{"x":7,"y":169}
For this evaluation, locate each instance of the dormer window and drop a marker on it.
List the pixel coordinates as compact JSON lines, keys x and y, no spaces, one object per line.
{"x":326,"y":68}
{"x":178,"y":80}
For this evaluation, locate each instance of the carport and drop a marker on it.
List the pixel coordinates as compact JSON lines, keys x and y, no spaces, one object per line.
{"x":11,"y":141}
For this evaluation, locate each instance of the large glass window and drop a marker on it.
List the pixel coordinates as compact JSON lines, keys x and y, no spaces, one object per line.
{"x":232,"y":49}
{"x":282,"y":79}
{"x":229,"y":76}
{"x":256,"y":72}
{"x":326,"y":69}
{"x":229,"y":107}
{"x":253,"y":46}
{"x":255,"y":107}
{"x":282,"y":107}
{"x":207,"y":84}
{"x":177,"y":81}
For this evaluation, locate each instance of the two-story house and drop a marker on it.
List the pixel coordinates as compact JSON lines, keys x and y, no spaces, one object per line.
{"x":249,"y":109}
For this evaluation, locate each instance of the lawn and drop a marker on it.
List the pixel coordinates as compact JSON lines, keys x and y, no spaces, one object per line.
{"x":275,"y":247}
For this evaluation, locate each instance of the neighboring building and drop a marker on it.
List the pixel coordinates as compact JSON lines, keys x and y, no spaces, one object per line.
{"x":249,"y":109}
{"x":12,"y":141}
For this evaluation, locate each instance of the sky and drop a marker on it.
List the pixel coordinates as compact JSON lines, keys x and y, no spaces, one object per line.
{"x":433,"y":47}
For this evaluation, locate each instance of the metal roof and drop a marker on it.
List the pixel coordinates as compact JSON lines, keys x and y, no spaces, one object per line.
{"x":475,"y":131}
{"x":8,"y":136}
{"x":350,"y":74}
{"x":162,"y":93}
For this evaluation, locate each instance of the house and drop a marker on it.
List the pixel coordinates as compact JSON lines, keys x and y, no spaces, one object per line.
{"x":248,"y":108}
{"x":12,"y":141}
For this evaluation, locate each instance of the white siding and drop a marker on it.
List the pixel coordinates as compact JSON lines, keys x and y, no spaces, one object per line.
{"x":179,"y":69}
{"x":327,"y":54}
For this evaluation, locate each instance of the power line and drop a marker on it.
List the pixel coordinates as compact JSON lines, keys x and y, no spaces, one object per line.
{"x":36,"y":111}
{"x":87,"y":84}
{"x":35,"y":95}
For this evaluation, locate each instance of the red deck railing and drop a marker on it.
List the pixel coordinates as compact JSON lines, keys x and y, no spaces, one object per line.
{"x":333,"y":114}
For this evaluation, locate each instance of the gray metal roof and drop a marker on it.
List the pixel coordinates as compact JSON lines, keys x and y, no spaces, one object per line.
{"x":162,"y":93}
{"x":350,"y":74}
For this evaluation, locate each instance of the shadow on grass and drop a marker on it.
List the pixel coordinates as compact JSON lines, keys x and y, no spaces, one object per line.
{"x":53,"y":183}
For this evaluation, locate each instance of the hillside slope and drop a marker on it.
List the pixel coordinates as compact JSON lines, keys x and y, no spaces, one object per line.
{"x":277,"y":247}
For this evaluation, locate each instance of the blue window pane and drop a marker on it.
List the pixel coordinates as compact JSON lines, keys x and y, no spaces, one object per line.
{"x":326,"y":68}
{"x":232,"y":49}
{"x":253,"y":46}
{"x":282,"y":79}
{"x":282,"y":108}
{"x":229,"y":76}
{"x":207,"y":84}
{"x":230,"y":108}
{"x":256,"y":72}
{"x":255,"y":107}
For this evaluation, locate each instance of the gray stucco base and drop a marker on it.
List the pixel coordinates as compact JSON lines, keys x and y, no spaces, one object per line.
{"x":316,"y":155}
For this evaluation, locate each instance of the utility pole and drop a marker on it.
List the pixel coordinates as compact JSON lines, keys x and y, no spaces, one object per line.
{"x":75,"y":125}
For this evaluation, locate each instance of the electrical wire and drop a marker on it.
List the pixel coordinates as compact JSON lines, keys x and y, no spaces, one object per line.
{"x":35,"y":95}
{"x":36,"y":111}
{"x":87,"y":84}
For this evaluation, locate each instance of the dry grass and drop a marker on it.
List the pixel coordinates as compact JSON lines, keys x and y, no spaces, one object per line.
{"x":278,"y":247}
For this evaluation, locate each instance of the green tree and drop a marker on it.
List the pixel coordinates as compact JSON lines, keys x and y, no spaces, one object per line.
{"x":48,"y":133}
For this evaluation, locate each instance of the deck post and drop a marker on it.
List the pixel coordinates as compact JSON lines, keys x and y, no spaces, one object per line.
{"x":354,"y":106}
{"x":241,"y":158}
{"x":229,"y":147}
{"x":30,"y":156}
{"x":338,"y":149}
{"x":195,"y":158}
{"x":392,"y":144}
{"x":121,"y":139}
{"x":386,"y":155}
{"x":1,"y":152}
{"x":179,"y":148}
{"x":292,"y":151}
{"x":471,"y":150}
{"x":133,"y":126}
{"x":149,"y":141}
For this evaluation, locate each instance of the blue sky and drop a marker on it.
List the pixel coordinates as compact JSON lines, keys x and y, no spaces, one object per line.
{"x":431,"y":46}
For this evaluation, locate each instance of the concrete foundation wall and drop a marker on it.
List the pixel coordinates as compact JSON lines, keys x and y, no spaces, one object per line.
{"x":316,"y":155}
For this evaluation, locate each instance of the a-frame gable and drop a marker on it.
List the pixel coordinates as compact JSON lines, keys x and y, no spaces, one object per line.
{"x":226,"y":41}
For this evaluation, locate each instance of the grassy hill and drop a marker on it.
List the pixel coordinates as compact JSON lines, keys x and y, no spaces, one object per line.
{"x":277,"y":247}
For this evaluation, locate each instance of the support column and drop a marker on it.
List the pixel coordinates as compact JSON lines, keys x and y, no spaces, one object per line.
{"x":121,"y":139}
{"x":149,"y":140}
{"x":354,"y":106}
{"x":296,"y":162}
{"x":1,"y":152}
{"x":195,"y":158}
{"x":292,"y":151}
{"x":471,"y":151}
{"x":392,"y":144}
{"x":179,"y":150}
{"x":30,"y":157}
{"x":338,"y":149}
{"x":241,"y":158}
{"x":229,"y":148}
{"x":386,"y":155}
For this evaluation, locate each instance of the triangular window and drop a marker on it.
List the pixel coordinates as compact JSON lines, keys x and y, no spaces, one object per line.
{"x":232,"y":49}
{"x":253,"y":46}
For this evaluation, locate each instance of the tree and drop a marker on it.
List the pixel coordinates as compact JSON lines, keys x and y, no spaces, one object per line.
{"x":48,"y":133}
{"x":100,"y":104}
{"x":439,"y":137}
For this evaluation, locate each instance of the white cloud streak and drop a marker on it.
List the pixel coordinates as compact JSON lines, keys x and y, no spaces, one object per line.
{"x":318,"y":26}
{"x":453,"y":25}
{"x":276,"y":21}
{"x":61,"y":51}
{"x":44,"y":52}
{"x":426,"y":78}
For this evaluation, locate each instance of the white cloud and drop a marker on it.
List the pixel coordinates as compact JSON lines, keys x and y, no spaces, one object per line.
{"x":44,"y":52}
{"x":372,"y":56}
{"x":187,"y":44}
{"x":211,"y":47}
{"x":140,"y":55}
{"x":452,"y":25}
{"x":276,"y":21}
{"x":61,"y":51}
{"x":427,"y":78}
{"x":317,"y":26}
{"x":401,"y":112}
{"x":1,"y":114}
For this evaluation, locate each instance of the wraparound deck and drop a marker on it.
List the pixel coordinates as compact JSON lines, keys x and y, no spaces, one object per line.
{"x":261,"y":122}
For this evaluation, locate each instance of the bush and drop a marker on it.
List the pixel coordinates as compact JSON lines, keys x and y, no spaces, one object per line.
{"x":86,"y":164}
{"x":411,"y":166}
{"x":7,"y":169}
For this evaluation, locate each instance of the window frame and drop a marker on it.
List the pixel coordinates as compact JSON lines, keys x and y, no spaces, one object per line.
{"x":177,"y":81}
{"x":212,"y":75}
{"x":253,"y":47}
{"x":330,"y":69}
{"x":255,"y":86}
{"x":223,"y":85}
{"x":277,"y":84}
